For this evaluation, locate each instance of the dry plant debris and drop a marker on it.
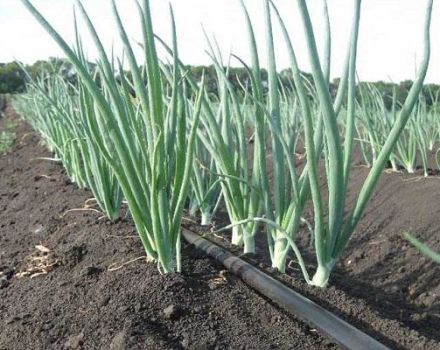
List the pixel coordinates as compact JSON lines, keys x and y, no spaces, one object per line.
{"x":40,"y":262}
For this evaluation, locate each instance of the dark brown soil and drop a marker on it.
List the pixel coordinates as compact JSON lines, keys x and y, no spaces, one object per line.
{"x":382,"y":285}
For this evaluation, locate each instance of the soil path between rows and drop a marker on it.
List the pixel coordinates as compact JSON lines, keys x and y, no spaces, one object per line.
{"x":82,"y":303}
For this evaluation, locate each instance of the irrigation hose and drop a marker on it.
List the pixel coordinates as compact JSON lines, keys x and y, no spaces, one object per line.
{"x":329,"y":325}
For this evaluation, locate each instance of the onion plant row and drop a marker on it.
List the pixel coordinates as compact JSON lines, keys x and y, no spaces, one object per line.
{"x":419,"y":139}
{"x":144,"y":139}
{"x":291,"y":188}
{"x":57,"y":111}
{"x":264,"y":151}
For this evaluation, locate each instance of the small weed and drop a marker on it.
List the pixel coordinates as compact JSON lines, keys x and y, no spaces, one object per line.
{"x":7,"y":141}
{"x":7,"y":137}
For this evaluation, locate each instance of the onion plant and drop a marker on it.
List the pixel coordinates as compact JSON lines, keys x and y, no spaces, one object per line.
{"x":332,"y":229}
{"x":276,"y":126}
{"x":421,"y":130}
{"x":433,"y":121}
{"x":406,"y":147}
{"x":283,"y":210}
{"x":205,"y":191}
{"x":101,"y":179}
{"x":333,"y":236}
{"x":227,"y":142}
{"x":280,"y":118}
{"x":144,"y":140}
{"x":224,"y":121}
{"x":373,"y":123}
{"x":204,"y":194}
{"x":325,"y":132}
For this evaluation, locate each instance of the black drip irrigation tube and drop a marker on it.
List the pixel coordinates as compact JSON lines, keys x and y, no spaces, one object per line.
{"x":331,"y":326}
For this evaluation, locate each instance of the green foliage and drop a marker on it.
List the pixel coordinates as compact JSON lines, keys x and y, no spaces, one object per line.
{"x":7,"y":141}
{"x":7,"y":137}
{"x":13,"y":80}
{"x":164,"y":127}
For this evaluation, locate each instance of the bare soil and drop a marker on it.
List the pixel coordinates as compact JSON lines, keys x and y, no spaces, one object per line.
{"x":93,"y":290}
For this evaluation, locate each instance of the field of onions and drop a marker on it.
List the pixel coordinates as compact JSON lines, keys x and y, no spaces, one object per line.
{"x":322,"y":191}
